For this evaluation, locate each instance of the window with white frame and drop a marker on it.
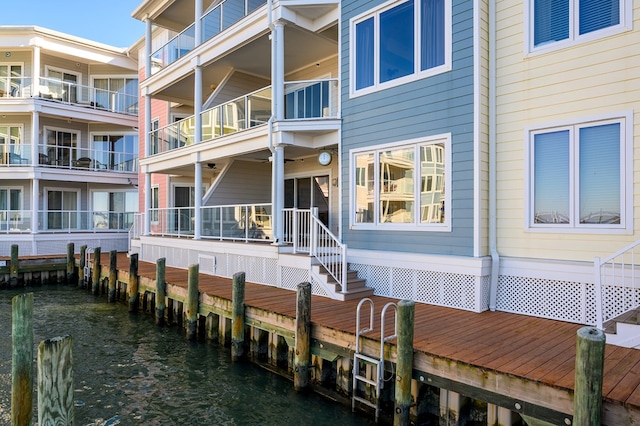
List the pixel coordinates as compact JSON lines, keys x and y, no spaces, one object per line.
{"x":11,"y":80}
{"x":402,"y":186}
{"x":578,"y":176}
{"x":114,"y":210}
{"x":561,"y":22}
{"x":118,"y":94}
{"x":12,"y":150}
{"x":398,"y":42}
{"x":155,"y":203}
{"x":63,"y":209}
{"x":10,"y":207}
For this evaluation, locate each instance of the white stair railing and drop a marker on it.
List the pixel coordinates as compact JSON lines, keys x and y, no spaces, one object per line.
{"x":616,"y":285}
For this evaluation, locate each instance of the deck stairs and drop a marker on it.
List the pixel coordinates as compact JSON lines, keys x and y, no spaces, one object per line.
{"x":624,"y":330}
{"x":362,"y":360}
{"x":356,"y":287}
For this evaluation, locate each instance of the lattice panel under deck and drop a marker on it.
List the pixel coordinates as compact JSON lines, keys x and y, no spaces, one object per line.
{"x":291,"y":277}
{"x":555,"y":299}
{"x":617,"y":300}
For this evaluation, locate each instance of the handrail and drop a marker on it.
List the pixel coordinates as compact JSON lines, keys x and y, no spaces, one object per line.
{"x":329,"y":251}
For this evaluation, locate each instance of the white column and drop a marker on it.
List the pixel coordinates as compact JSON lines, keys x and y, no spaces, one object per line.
{"x":197,"y":100}
{"x":197,"y":231}
{"x":499,"y":416}
{"x":35,"y":138}
{"x":35,"y":84}
{"x":35,"y":199}
{"x":147,"y":45}
{"x":198,"y":22}
{"x":277,"y":89}
{"x":147,"y":122}
{"x":147,"y":202}
{"x":278,"y":163}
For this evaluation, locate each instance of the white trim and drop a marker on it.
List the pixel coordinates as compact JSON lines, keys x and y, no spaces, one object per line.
{"x":626,"y":24}
{"x":415,"y":143}
{"x":478,"y":219}
{"x":625,"y":118}
{"x":49,"y":68}
{"x":417,"y":74}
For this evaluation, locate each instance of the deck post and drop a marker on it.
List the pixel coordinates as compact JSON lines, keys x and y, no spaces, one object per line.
{"x":587,"y":397}
{"x":83,"y":260}
{"x":192,"y":301}
{"x":71,"y":264}
{"x":404,"y":369}
{"x":13,"y":266}
{"x":237,"y":317}
{"x":132,"y":287}
{"x":302,"y":357}
{"x":161,"y":291}
{"x":55,"y":381}
{"x":213,"y":326}
{"x":96,"y":272}
{"x":113,"y":273}
{"x":22,"y":359}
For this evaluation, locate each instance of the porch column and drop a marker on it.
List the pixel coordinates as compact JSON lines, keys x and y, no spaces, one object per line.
{"x":35,"y":138}
{"x":198,"y":22}
{"x":277,"y":83}
{"x":278,"y":194}
{"x":147,"y":46}
{"x":197,"y":231}
{"x":35,"y":84}
{"x":147,"y":202}
{"x":197,"y":100}
{"x":35,"y":199}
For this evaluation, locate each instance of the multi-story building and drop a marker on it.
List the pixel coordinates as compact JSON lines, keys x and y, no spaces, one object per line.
{"x":68,"y":142}
{"x":471,"y":154}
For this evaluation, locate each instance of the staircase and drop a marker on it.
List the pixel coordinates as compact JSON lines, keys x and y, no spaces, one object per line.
{"x":356,"y":287}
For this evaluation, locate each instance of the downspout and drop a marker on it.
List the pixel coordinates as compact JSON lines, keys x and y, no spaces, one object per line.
{"x":274,"y":174}
{"x":493,"y":239}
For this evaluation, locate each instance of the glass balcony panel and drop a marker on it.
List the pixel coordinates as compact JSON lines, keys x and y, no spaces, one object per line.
{"x":211,"y":123}
{"x":253,"y":5}
{"x":232,"y":12}
{"x":311,"y":99}
{"x":212,"y":23}
{"x":211,"y":223}
{"x":234,"y":116}
{"x":259,"y":107}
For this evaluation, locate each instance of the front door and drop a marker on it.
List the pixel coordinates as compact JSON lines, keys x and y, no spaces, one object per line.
{"x":305,"y":193}
{"x":183,"y":201}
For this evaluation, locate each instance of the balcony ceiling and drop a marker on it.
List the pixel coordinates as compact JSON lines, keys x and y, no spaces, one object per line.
{"x":302,"y":49}
{"x":175,"y":15}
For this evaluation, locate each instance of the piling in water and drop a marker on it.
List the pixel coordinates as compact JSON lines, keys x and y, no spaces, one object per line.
{"x":22,"y":359}
{"x":113,"y":274}
{"x":302,"y":357}
{"x":13,"y":266}
{"x":132,"y":286}
{"x":587,"y":398}
{"x":83,"y":263}
{"x":404,"y":368}
{"x":161,"y":291}
{"x":71,"y":264}
{"x":95,"y":276}
{"x":55,"y":381}
{"x":192,"y":302}
{"x":237,"y":317}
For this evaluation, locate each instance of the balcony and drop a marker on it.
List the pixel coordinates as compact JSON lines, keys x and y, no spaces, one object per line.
{"x":71,"y":93}
{"x":216,"y":20}
{"x":312,"y":99}
{"x":20,"y":221}
{"x":66,"y":157}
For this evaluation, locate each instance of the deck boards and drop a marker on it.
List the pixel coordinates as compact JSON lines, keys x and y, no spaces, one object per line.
{"x":536,"y":349}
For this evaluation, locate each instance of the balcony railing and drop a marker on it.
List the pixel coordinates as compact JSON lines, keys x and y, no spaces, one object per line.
{"x":20,"y":221}
{"x":71,"y":93}
{"x":221,"y":17}
{"x":84,"y":158}
{"x":15,"y":155}
{"x":303,"y":100}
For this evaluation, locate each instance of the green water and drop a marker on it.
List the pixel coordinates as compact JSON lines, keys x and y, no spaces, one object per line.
{"x":127,"y":371}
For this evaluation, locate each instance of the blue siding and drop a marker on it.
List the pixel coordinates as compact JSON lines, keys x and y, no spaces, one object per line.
{"x":430,"y":106}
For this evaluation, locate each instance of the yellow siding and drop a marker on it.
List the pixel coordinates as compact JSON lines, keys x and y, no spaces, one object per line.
{"x":585,"y":80}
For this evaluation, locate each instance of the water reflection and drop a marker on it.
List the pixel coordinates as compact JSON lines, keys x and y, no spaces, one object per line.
{"x":129,"y":372}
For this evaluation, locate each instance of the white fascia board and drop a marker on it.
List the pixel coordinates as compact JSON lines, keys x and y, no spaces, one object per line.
{"x":561,"y":270}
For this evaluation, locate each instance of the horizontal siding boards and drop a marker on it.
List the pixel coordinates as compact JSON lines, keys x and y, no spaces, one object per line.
{"x":244,"y":182}
{"x":435,"y":105}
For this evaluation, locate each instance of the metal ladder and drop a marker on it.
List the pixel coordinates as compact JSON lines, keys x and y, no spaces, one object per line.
{"x":359,"y":357}
{"x":87,"y":268}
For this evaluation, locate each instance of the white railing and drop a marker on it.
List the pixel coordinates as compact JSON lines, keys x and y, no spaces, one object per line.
{"x":84,"y":220}
{"x":174,"y":221}
{"x":616,"y":284}
{"x":71,"y":157}
{"x":247,"y":222}
{"x":306,"y":232}
{"x":15,"y":221}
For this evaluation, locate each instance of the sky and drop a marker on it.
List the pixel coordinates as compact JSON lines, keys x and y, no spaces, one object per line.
{"x":108,"y":22}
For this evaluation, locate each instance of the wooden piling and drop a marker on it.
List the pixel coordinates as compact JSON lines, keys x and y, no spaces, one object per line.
{"x":132,"y":287}
{"x":96,"y":272}
{"x":55,"y":382}
{"x":22,"y":360}
{"x":161,"y":291}
{"x":192,"y":302}
{"x":113,"y":274}
{"x":83,"y":263}
{"x":13,"y":266}
{"x":237,"y":317}
{"x":404,"y":366}
{"x":587,"y":398}
{"x":71,"y":264}
{"x":302,"y":357}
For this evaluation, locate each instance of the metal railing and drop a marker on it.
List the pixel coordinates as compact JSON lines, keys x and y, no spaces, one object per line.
{"x":221,"y":17}
{"x":20,"y":221}
{"x":246,"y":222}
{"x":85,"y":158}
{"x":308,"y":99}
{"x":15,"y":221}
{"x":616,"y":284}
{"x":176,"y":221}
{"x":15,"y":154}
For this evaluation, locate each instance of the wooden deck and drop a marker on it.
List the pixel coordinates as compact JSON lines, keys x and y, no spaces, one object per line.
{"x":526,"y":363}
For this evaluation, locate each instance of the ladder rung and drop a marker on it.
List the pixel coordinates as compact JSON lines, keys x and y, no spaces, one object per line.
{"x":366,"y":380}
{"x":366,"y":402}
{"x":367,"y":358}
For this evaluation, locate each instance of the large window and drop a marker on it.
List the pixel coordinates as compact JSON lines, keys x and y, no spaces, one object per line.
{"x":10,"y":207}
{"x":11,"y":80}
{"x":114,"y":210}
{"x":565,"y":21}
{"x":117,"y":94}
{"x":402,"y":186}
{"x":12,"y":151}
{"x":61,"y":147}
{"x":577,"y":176}
{"x":63,"y":209}
{"x":400,"y":42}
{"x":116,"y":152}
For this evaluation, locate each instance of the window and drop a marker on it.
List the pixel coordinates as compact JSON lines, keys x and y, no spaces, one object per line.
{"x":400,"y":42}
{"x":114,"y":210}
{"x":386,"y":194}
{"x":155,"y":203}
{"x":63,"y":209}
{"x":62,"y":85}
{"x":117,"y":94}
{"x":11,"y":80}
{"x":307,"y":100}
{"x":567,"y":21}
{"x":10,"y":207}
{"x":12,"y":151}
{"x":577,"y":176}
{"x":116,"y":152}
{"x":61,"y":147}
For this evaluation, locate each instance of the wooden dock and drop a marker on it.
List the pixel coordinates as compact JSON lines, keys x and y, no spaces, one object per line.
{"x":524,"y":364}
